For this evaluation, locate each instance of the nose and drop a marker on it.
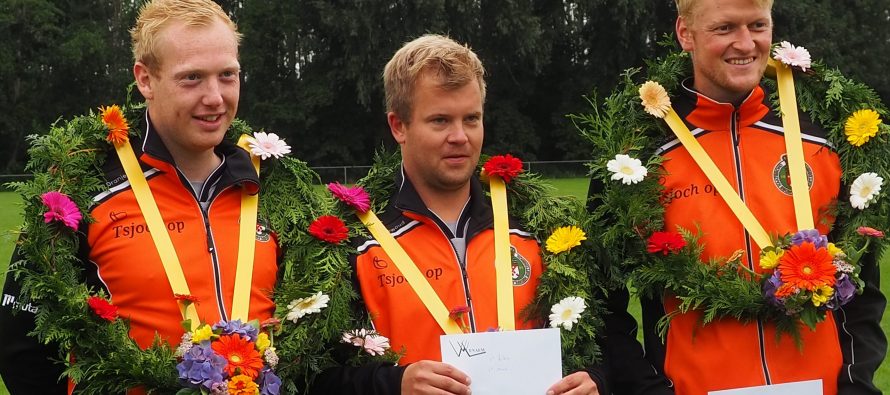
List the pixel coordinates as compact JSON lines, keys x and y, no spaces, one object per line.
{"x":745,"y":40}
{"x":213,"y":94}
{"x":458,"y":134}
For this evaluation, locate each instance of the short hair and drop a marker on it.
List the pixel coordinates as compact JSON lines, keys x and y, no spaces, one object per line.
{"x":685,"y":8}
{"x":455,"y":64}
{"x":157,"y":14}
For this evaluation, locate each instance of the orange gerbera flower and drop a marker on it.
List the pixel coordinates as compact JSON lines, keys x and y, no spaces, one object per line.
{"x":807,"y":267}
{"x":242,"y":355}
{"x":118,"y":129}
{"x":243,"y":385}
{"x":785,"y":290}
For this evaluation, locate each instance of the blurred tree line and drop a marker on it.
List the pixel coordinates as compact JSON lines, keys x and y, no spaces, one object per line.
{"x":311,"y":68}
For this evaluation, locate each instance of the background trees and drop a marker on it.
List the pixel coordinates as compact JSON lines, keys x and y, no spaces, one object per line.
{"x":312,"y":68}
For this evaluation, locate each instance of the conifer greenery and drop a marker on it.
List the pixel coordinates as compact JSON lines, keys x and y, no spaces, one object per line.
{"x":626,"y":215}
{"x":68,"y":159}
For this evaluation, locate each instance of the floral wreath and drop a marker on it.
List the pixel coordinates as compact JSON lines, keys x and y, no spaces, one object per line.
{"x":625,"y":129}
{"x":314,"y":297}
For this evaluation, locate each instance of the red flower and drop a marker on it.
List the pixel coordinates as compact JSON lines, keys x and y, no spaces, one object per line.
{"x":805,"y":266}
{"x":870,"y":232}
{"x":102,"y":308}
{"x":504,"y":166}
{"x":241,"y":354}
{"x":459,"y":315}
{"x":329,"y":228}
{"x":665,"y":242}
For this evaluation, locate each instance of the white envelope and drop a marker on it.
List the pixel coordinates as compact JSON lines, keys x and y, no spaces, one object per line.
{"x":512,"y":362}
{"x":811,"y":387}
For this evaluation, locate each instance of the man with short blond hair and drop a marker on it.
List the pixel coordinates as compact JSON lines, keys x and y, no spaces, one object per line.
{"x":729,"y":42}
{"x":435,"y":93}
{"x":186,"y":66}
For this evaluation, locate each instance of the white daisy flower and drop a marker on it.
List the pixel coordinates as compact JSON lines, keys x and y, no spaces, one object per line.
{"x":865,"y":190}
{"x":266,"y":145}
{"x":303,"y":306}
{"x":567,"y":312}
{"x":628,"y":170}
{"x":792,"y":56}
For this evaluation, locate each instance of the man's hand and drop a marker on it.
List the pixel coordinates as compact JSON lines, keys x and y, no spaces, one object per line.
{"x":431,"y":377}
{"x":578,"y":383}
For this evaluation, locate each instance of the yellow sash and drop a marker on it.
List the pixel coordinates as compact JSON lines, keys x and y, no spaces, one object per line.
{"x":167,"y":252}
{"x":422,"y":287}
{"x":793,"y":147}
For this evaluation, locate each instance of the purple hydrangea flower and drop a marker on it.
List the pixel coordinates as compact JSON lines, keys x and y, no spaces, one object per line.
{"x":270,"y":384}
{"x":246,"y":331}
{"x":769,"y":289}
{"x":201,"y":367}
{"x":844,"y":289}
{"x":810,"y":235}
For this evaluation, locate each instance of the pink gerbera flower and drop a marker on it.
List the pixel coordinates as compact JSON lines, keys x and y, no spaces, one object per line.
{"x":61,"y":208}
{"x":793,"y":56}
{"x":356,"y":197}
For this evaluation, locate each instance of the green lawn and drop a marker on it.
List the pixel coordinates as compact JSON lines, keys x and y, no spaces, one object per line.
{"x":11,"y":212}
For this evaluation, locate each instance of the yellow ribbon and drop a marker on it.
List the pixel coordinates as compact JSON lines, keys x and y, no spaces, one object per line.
{"x":166,"y":251}
{"x":729,"y":195}
{"x":157,"y":229}
{"x":502,"y":259}
{"x":246,"y":243}
{"x":412,"y":274}
{"x":800,"y":189}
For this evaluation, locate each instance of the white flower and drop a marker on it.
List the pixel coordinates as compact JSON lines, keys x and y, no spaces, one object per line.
{"x":184,"y":345}
{"x":266,"y":145}
{"x":865,"y":190}
{"x":628,"y":170}
{"x":300,"y":307}
{"x":792,"y":56}
{"x":372,"y":342}
{"x":271,"y":357}
{"x":566,"y":312}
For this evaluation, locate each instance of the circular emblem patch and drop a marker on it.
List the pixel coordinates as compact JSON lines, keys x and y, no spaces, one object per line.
{"x":262,"y":231}
{"x":782,"y":179}
{"x":522,"y":270}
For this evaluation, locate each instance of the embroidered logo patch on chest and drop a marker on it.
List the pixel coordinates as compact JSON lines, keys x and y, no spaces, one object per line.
{"x":262,"y":231}
{"x":782,"y":178}
{"x":522,"y":270}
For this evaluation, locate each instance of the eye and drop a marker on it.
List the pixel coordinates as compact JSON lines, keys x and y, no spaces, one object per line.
{"x":473,"y":119}
{"x":723,"y":29}
{"x":229,"y":74}
{"x":192,"y":77}
{"x":439,"y":120}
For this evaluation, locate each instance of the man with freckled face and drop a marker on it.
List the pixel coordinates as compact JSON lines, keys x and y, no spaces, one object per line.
{"x":186,"y":67}
{"x":730,"y":115}
{"x":439,"y":214}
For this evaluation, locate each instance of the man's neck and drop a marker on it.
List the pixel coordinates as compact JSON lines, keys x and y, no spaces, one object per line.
{"x":446,"y":204}
{"x":196,"y":167}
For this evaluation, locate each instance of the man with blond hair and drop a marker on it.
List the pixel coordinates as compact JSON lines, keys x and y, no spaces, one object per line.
{"x":186,"y":66}
{"x":438,"y":213}
{"x":729,"y":42}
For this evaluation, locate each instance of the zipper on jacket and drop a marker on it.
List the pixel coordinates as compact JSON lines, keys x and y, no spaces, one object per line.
{"x":464,"y":278}
{"x":737,"y":157}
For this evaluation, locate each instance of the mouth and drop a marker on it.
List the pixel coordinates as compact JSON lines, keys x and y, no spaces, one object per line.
{"x":740,"y":61}
{"x":208,"y":118}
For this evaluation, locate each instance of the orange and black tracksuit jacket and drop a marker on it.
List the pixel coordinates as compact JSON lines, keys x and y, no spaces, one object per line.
{"x":747,"y":144}
{"x":395,"y":309}
{"x":119,"y":254}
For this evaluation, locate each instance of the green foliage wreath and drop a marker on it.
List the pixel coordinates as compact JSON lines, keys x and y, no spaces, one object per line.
{"x":68,"y":159}
{"x":626,"y":215}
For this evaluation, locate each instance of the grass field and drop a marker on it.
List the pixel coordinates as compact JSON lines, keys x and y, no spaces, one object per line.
{"x":10,"y":218}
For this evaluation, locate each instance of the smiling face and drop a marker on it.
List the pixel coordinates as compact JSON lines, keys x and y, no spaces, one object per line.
{"x":442,"y":140}
{"x":192,"y":93}
{"x":730,"y":43}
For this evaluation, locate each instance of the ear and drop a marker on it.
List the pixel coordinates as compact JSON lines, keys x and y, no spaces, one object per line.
{"x":143,"y":80}
{"x":397,"y":127}
{"x":684,"y":34}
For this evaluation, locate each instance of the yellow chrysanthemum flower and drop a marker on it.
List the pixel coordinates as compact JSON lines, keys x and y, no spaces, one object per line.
{"x":862,"y":126}
{"x":655,"y":99}
{"x":204,"y":332}
{"x":821,"y":295}
{"x":770,"y":259}
{"x":263,"y":342}
{"x":833,"y":250}
{"x":564,"y":239}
